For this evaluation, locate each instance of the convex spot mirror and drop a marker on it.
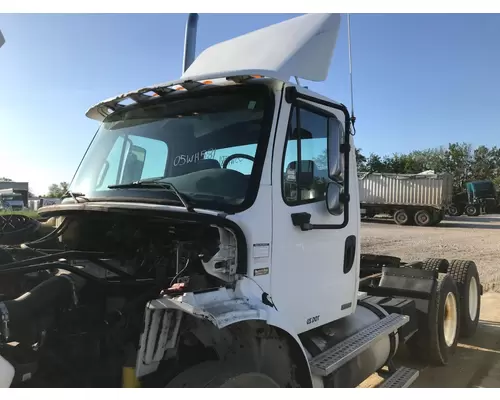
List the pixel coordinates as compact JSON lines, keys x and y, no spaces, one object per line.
{"x":334,"y":198}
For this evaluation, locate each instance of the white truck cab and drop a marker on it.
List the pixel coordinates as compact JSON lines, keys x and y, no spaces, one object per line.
{"x":241,"y":189}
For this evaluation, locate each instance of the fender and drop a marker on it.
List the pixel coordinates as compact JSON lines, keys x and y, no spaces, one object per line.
{"x":221,"y":308}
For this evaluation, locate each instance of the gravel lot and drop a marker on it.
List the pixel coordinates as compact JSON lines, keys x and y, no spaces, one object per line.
{"x":473,"y":238}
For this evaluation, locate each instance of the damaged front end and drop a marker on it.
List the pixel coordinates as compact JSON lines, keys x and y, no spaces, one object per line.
{"x":89,"y":293}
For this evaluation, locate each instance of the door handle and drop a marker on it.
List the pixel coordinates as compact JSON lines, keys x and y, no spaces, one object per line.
{"x":349,"y":253}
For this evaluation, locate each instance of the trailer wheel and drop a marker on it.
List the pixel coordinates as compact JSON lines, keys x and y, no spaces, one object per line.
{"x":436,"y":341}
{"x":465,"y":274}
{"x":436,"y":264}
{"x":401,"y":217}
{"x":472,"y":210}
{"x":423,"y":218}
{"x":215,"y":374}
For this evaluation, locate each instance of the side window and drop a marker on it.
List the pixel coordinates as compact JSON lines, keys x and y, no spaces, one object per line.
{"x":143,"y":158}
{"x":305,"y":167}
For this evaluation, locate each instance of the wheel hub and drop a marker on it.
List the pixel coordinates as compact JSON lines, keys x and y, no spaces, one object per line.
{"x":423,"y":218}
{"x":473,"y":295}
{"x":401,"y":217}
{"x":450,"y":321}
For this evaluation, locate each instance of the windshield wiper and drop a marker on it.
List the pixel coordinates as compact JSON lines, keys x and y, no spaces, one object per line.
{"x":75,"y":196}
{"x":155,"y":185}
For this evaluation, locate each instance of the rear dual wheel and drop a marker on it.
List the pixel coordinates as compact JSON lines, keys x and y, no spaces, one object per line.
{"x":472,"y":210}
{"x":420,"y":218}
{"x":466,"y":277}
{"x":402,"y":217}
{"x":455,"y":210}
{"x":464,"y":273}
{"x":423,"y":218}
{"x":436,"y":340}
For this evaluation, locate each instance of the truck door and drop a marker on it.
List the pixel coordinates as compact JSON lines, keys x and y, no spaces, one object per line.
{"x":315,"y":272}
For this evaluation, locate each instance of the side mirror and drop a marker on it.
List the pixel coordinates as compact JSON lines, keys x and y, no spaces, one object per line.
{"x":2,"y":39}
{"x":134,"y":164}
{"x":335,"y":139}
{"x":333,"y":198}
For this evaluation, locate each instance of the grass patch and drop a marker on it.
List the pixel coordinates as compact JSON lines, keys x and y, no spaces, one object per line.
{"x":26,"y":213}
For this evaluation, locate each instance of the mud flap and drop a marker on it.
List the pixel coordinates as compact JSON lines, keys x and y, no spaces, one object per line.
{"x":415,"y":284}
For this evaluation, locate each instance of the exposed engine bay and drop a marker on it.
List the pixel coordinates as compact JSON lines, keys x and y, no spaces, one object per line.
{"x":72,"y":303}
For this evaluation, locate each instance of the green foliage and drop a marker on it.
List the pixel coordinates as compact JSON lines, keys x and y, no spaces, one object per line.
{"x":56,"y":190}
{"x":27,"y":213}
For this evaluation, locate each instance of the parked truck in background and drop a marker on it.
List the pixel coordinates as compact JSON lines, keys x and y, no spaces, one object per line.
{"x":187,"y":269}
{"x":10,"y":200}
{"x":478,"y":197}
{"x":419,"y":199}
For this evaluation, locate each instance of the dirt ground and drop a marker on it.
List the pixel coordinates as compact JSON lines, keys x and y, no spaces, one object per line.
{"x":473,"y":238}
{"x":477,"y":360}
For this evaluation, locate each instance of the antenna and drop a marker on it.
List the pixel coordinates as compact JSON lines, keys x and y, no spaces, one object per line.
{"x":353,"y":118}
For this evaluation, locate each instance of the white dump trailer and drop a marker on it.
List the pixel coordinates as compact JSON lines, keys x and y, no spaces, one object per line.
{"x":409,"y":198}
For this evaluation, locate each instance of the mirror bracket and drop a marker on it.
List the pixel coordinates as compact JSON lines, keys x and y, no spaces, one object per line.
{"x":345,"y":198}
{"x":302,"y":220}
{"x":345,"y":148}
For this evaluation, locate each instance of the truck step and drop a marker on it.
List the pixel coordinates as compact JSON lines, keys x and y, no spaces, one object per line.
{"x":402,"y":378}
{"x":335,"y":357}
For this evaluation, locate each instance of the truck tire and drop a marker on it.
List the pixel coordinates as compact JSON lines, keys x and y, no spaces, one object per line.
{"x":436,"y":340}
{"x":402,"y":217}
{"x":465,"y":274}
{"x":215,"y":374}
{"x":472,"y":210}
{"x":423,"y":218}
{"x":455,"y":211}
{"x":436,"y":264}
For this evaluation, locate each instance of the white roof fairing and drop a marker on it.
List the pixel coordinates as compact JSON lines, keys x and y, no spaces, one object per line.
{"x":301,"y":47}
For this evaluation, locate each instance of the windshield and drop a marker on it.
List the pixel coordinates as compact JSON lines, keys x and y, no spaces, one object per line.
{"x":210,"y":146}
{"x":483,"y":188}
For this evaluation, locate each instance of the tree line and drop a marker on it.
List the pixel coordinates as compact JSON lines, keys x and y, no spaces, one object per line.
{"x":461,"y":160}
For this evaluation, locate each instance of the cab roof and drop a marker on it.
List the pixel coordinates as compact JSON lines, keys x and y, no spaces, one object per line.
{"x":278,"y":52}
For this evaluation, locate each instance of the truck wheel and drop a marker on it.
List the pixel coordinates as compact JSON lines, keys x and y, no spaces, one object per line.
{"x":454,"y":211}
{"x":401,"y":217}
{"x":436,"y":341}
{"x":472,"y":210}
{"x":436,"y":264}
{"x":215,"y":374}
{"x":465,"y":274}
{"x":423,"y":218}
